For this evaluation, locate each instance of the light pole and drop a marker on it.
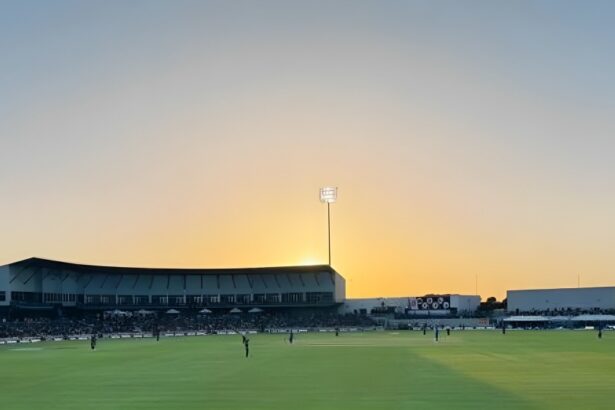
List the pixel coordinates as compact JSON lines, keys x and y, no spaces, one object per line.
{"x":328,"y":194}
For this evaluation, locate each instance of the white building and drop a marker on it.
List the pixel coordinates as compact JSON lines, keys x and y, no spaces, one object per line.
{"x":539,"y":300}
{"x":415,"y":305}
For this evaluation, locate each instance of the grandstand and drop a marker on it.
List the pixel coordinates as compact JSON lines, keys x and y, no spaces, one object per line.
{"x":46,"y":284}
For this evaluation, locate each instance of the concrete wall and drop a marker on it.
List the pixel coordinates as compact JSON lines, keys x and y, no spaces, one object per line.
{"x":465,"y":303}
{"x":24,"y":280}
{"x":340,"y":288}
{"x":52,"y":282}
{"x":4,"y":285}
{"x":550,"y":299}
{"x":452,"y":322}
{"x":367,"y":304}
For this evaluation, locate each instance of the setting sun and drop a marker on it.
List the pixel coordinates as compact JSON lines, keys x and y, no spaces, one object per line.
{"x":310,"y":261}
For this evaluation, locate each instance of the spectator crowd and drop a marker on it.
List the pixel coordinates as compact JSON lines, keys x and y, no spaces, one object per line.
{"x":105,"y":324}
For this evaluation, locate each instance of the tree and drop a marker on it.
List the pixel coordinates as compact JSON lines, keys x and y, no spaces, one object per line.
{"x":492,"y":304}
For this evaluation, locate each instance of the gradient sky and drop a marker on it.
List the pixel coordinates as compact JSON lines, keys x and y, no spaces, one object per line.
{"x":466,"y":137}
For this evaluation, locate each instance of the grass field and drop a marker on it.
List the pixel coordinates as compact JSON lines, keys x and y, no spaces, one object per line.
{"x":383,"y":370}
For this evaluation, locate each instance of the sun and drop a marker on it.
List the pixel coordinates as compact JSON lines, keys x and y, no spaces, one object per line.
{"x":309,"y":261}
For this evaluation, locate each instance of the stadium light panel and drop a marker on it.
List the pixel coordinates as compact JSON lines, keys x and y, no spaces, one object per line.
{"x":328,"y":194}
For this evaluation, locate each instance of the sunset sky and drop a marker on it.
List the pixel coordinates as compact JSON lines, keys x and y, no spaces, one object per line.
{"x":467,"y":138}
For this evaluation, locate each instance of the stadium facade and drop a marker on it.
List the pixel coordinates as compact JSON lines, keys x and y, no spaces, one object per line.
{"x":426,"y":305}
{"x":46,"y":284}
{"x":542,"y":300}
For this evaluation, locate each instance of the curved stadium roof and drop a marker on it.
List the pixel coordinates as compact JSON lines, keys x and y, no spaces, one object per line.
{"x":82,"y":268}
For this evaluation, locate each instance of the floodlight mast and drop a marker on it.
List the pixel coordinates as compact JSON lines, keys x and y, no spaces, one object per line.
{"x":329,"y":195}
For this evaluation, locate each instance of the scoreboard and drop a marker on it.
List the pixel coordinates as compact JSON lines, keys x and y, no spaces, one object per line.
{"x":430,"y":302}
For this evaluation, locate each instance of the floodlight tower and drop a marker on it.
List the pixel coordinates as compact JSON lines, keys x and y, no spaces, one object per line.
{"x":328,"y":194}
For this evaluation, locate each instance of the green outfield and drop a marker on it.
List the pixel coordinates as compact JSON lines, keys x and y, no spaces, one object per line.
{"x":377,"y":370}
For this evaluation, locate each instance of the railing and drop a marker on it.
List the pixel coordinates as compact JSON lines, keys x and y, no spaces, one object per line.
{"x":220,"y":305}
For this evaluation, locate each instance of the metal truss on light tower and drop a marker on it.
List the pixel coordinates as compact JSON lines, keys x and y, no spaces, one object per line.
{"x":328,"y":195}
